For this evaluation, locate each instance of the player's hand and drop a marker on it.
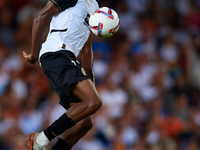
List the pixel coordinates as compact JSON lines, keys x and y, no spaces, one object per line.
{"x":31,"y":59}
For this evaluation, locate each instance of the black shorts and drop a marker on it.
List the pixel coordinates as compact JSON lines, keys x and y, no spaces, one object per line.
{"x":63,"y":72}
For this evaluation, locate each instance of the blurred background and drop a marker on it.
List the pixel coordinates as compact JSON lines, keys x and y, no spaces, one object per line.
{"x":148,"y":76}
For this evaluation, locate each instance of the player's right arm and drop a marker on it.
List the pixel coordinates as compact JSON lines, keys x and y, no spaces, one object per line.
{"x":41,"y":20}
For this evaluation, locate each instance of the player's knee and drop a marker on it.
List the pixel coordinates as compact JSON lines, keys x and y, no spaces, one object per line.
{"x":95,"y":104}
{"x":91,"y":104}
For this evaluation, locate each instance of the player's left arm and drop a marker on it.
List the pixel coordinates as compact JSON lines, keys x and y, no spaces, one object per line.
{"x":86,"y":58}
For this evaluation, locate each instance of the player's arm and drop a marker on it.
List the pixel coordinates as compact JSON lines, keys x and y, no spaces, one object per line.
{"x":86,"y":58}
{"x":41,"y":20}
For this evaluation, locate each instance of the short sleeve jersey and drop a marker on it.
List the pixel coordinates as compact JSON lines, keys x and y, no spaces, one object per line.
{"x":69,"y":29}
{"x":64,"y":4}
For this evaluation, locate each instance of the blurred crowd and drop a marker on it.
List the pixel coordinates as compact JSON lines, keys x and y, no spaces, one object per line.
{"x":148,"y":76}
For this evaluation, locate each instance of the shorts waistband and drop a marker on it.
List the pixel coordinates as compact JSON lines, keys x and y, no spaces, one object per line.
{"x":45,"y":55}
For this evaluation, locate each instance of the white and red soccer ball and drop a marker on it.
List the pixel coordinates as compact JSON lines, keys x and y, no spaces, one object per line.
{"x":104,"y":22}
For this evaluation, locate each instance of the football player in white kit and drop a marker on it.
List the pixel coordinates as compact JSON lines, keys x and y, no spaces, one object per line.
{"x":66,"y":59}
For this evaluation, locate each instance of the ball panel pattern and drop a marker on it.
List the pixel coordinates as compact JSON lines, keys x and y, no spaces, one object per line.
{"x":104,"y":22}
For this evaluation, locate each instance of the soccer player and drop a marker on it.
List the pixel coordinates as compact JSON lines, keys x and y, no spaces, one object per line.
{"x":66,"y":59}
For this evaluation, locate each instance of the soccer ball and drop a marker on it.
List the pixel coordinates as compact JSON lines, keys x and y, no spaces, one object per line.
{"x":104,"y":22}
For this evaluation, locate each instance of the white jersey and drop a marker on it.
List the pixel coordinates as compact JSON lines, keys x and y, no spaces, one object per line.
{"x":68,"y":29}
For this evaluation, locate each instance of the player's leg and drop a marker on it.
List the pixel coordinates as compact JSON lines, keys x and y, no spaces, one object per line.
{"x":71,"y":136}
{"x":89,"y":103}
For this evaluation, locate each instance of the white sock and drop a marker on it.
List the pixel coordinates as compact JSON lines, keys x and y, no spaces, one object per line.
{"x":42,"y":140}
